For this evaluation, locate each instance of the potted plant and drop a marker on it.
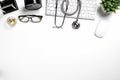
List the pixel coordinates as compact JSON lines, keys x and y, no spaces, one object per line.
{"x":106,"y":8}
{"x":109,"y":6}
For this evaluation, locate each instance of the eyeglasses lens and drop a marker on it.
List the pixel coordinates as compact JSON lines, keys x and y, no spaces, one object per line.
{"x":24,"y":19}
{"x":36,"y":19}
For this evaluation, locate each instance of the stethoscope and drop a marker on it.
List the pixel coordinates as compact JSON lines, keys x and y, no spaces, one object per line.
{"x":75,"y":24}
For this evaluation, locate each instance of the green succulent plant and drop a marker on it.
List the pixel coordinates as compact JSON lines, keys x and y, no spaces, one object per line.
{"x":110,"y":5}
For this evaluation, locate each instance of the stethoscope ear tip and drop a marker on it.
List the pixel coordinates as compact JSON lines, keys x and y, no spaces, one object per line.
{"x":75,"y":25}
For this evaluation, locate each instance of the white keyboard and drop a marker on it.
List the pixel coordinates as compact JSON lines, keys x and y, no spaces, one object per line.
{"x":88,"y":9}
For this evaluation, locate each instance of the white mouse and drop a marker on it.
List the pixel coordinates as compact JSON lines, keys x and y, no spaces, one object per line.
{"x":101,"y":29}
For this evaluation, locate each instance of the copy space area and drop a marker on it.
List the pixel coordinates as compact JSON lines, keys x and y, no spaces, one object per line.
{"x":37,"y":51}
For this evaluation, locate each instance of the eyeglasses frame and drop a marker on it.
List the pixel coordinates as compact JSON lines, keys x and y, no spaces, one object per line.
{"x":30,"y":18}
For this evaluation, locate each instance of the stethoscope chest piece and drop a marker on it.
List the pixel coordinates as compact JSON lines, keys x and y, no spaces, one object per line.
{"x":75,"y":25}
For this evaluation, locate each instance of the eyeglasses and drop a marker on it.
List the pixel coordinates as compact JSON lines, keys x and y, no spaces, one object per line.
{"x":27,"y":18}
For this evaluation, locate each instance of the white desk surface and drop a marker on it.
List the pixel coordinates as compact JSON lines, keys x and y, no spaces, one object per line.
{"x":40,"y":52}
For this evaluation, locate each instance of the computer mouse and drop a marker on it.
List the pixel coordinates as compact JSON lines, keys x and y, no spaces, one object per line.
{"x":101,"y":28}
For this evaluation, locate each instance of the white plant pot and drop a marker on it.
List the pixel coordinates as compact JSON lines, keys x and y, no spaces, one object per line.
{"x":106,"y":13}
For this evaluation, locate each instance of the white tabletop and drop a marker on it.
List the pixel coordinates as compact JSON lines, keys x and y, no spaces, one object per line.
{"x":31,"y":51}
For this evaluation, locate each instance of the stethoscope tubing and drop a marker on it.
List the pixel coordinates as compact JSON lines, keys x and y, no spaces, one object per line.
{"x":79,"y":4}
{"x":56,"y":26}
